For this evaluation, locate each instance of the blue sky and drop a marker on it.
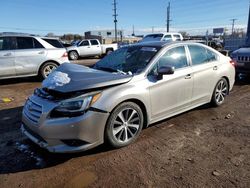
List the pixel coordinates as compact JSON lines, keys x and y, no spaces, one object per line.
{"x":77,"y":16}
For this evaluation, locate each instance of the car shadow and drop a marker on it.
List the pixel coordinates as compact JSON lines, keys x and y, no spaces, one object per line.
{"x":242,"y":79}
{"x":33,"y":79}
{"x":19,"y":154}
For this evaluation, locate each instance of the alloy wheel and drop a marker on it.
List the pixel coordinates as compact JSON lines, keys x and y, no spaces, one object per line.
{"x":221,"y":92}
{"x":49,"y":69}
{"x":126,"y":125}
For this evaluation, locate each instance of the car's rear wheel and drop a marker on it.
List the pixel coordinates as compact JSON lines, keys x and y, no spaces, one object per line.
{"x":220,"y":92}
{"x":109,"y":51}
{"x":47,"y":69}
{"x":73,"y":55}
{"x":124,"y":125}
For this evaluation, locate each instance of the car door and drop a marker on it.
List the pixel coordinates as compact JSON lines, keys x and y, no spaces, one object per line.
{"x":95,"y":47}
{"x":28,"y":56}
{"x":84,"y":48}
{"x":204,"y":70}
{"x":7,"y":57}
{"x":171,"y":94}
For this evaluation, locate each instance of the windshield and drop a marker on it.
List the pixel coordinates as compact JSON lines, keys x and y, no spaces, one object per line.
{"x":127,"y":60}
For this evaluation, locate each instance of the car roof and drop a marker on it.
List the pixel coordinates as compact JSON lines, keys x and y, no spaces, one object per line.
{"x":161,"y":44}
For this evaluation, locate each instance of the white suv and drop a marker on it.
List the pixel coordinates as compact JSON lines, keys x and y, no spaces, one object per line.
{"x":26,"y":55}
{"x":162,"y":37}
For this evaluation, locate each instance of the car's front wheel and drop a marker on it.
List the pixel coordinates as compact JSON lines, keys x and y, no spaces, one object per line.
{"x":124,"y":125}
{"x":220,"y":92}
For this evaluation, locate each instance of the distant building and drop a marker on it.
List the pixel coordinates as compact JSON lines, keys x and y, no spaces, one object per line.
{"x":108,"y":36}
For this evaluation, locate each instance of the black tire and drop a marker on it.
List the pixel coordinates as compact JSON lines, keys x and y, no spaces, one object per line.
{"x":46,"y":69}
{"x":220,"y":92}
{"x":73,"y":55}
{"x":109,"y":51}
{"x":114,"y":123}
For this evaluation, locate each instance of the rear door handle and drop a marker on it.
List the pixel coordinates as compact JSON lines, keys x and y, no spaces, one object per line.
{"x":215,"y":68}
{"x":41,"y":52}
{"x":188,"y":76}
{"x":8,"y":54}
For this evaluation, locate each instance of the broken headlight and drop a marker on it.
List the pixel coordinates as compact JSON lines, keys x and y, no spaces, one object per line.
{"x":75,"y":107}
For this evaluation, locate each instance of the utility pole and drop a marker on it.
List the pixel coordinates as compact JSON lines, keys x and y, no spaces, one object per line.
{"x":168,"y":16}
{"x":233,"y":21}
{"x":133,"y":34}
{"x":115,"y":19}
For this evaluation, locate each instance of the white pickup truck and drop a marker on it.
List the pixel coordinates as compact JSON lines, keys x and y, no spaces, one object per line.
{"x":88,"y":48}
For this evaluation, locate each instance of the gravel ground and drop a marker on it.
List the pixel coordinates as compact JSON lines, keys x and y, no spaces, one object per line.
{"x":205,"y":147}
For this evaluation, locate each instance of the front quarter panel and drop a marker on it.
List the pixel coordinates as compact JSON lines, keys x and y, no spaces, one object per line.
{"x":133,"y":90}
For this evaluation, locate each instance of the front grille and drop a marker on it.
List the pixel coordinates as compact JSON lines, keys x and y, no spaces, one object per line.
{"x":32,"y":111}
{"x":243,"y":58}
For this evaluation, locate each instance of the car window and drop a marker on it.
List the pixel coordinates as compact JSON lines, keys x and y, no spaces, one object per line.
{"x":94,"y":42}
{"x":84,"y":43}
{"x":7,"y":43}
{"x":37,"y":44}
{"x":167,"y":37}
{"x":24,"y":42}
{"x":152,"y":37}
{"x":54,"y":42}
{"x":175,"y":57}
{"x":177,"y":37}
{"x":200,"y":55}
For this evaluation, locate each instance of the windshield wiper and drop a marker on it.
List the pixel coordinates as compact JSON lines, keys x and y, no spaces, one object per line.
{"x":108,"y":69}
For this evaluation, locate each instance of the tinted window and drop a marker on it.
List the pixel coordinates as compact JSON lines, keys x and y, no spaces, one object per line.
{"x":94,"y":42}
{"x":200,"y":55}
{"x":6,"y":43}
{"x":1,"y":43}
{"x":24,"y":42}
{"x":54,"y":42}
{"x":37,"y":44}
{"x":84,"y":43}
{"x":175,"y":57}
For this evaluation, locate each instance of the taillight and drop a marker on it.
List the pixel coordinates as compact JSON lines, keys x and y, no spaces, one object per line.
{"x":65,"y":54}
{"x":232,"y":62}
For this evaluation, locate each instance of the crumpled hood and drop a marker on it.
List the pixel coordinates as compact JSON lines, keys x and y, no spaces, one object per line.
{"x":72,"y":77}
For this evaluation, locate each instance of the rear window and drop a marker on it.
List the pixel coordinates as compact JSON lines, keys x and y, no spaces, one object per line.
{"x":94,"y":42}
{"x":24,"y":42}
{"x":54,"y":42}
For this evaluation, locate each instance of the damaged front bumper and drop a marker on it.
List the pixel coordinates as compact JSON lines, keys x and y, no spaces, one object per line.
{"x":64,"y":134}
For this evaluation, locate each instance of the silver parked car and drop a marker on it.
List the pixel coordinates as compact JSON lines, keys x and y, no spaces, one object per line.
{"x":25,"y":55}
{"x":78,"y":108}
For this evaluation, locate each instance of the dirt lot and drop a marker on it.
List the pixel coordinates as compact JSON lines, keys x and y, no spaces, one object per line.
{"x":205,"y":147}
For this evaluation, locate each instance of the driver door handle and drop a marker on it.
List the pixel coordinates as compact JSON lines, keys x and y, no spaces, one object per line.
{"x":188,"y":76}
{"x":7,"y":54}
{"x":41,"y":52}
{"x":215,"y":68}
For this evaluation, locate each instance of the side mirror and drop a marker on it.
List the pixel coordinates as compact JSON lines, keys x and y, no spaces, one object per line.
{"x":165,"y":70}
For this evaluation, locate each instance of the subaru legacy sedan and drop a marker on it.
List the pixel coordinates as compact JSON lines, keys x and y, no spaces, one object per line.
{"x":78,"y":108}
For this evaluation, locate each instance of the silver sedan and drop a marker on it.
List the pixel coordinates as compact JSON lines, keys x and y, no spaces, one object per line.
{"x":78,"y":108}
